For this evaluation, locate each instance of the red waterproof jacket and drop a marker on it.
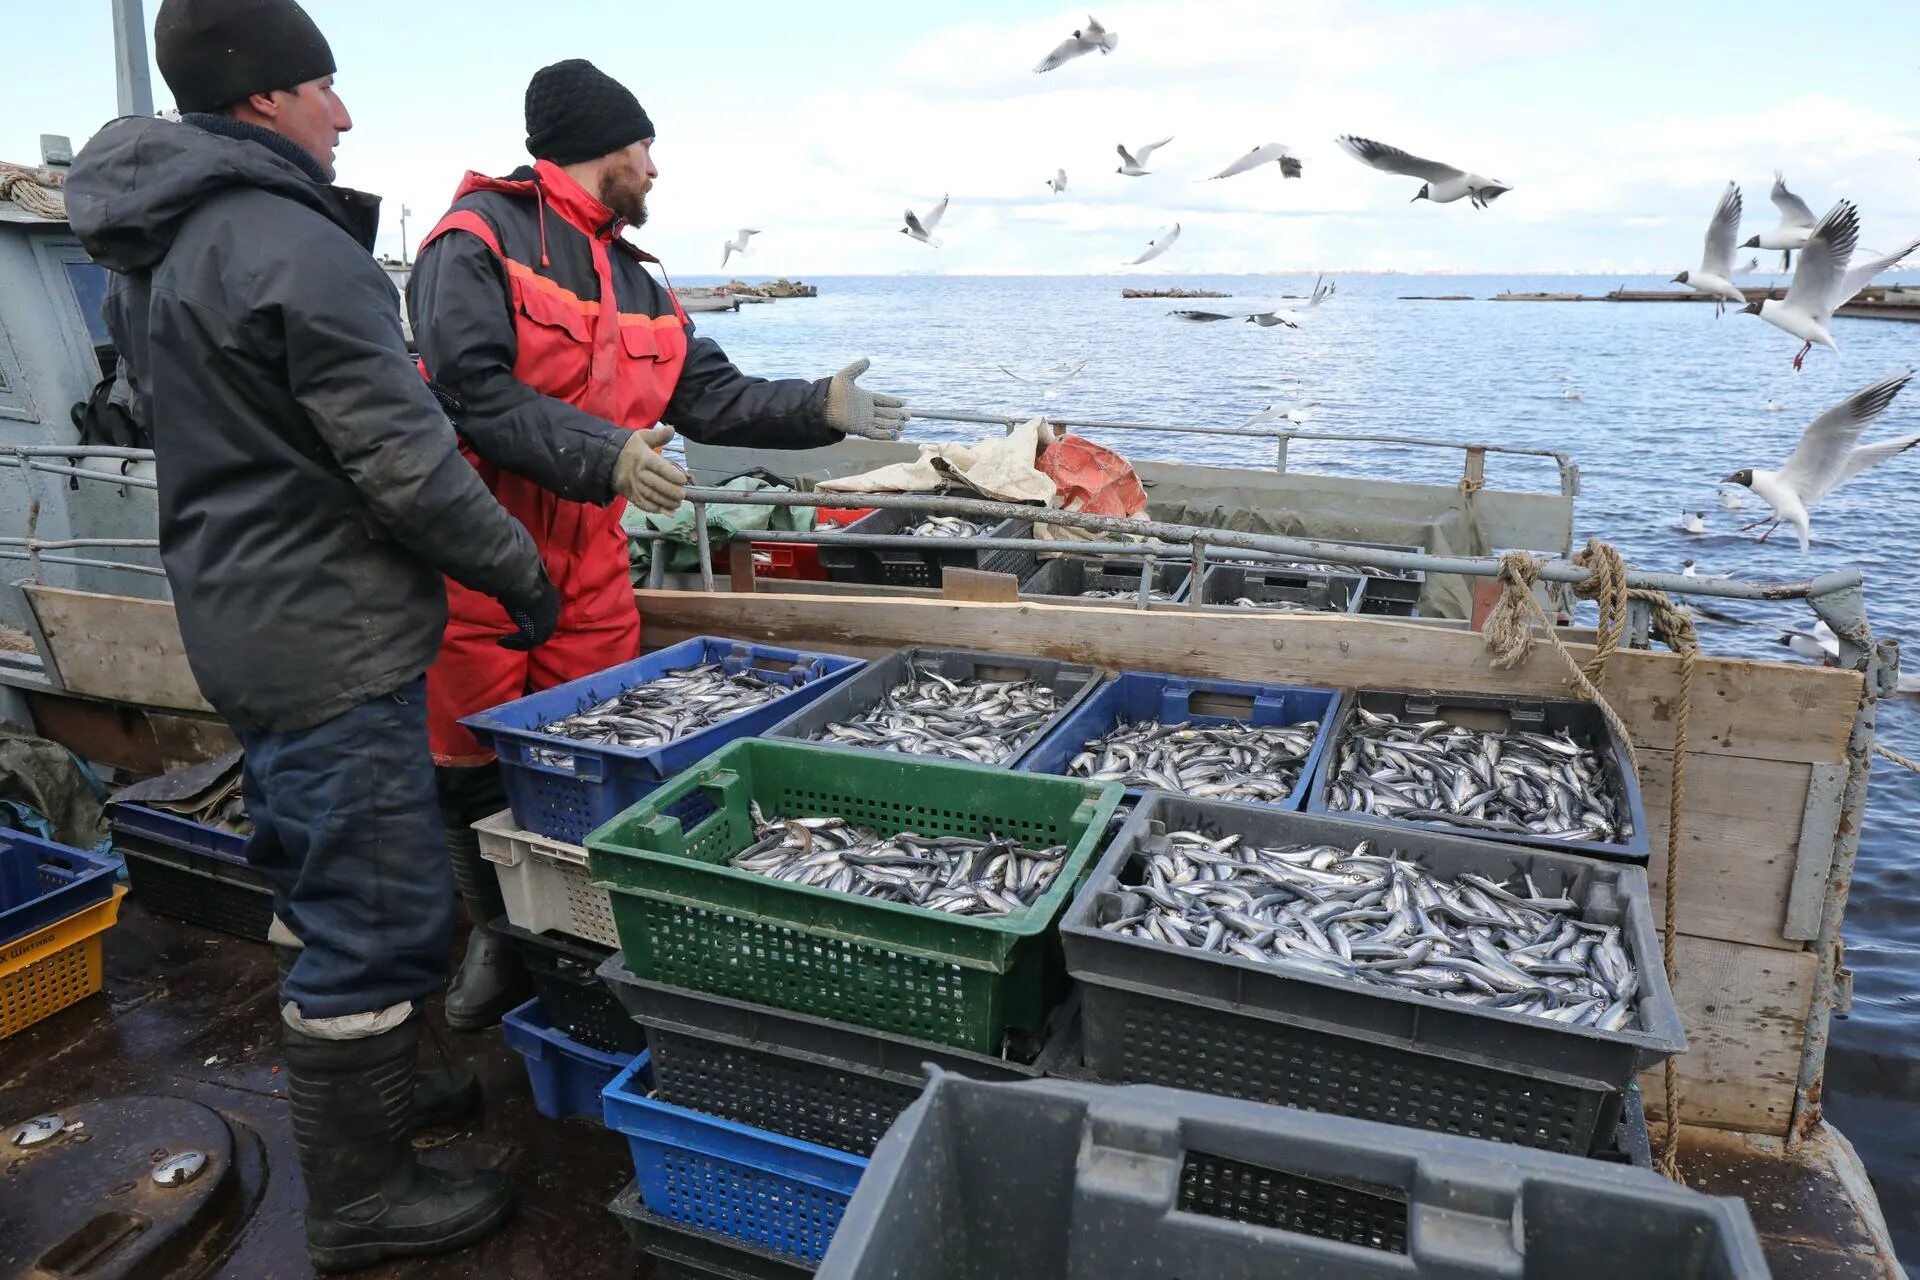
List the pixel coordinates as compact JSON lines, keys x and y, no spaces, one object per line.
{"x":528,"y":305}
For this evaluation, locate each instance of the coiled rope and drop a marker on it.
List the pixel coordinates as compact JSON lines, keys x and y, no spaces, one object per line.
{"x":1510,"y":632}
{"x":21,"y":187}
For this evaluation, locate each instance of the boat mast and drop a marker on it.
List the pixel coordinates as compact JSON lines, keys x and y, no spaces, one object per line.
{"x":132,"y":82}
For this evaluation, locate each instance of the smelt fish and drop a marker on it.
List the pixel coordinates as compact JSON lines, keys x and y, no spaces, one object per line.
{"x":948,"y":527}
{"x":985,"y":721}
{"x":1233,"y":761}
{"x":671,"y":705}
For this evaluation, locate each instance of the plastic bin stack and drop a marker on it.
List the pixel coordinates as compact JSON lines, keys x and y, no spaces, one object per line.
{"x":55,"y":904}
{"x":1061,"y":1181}
{"x":923,"y":567}
{"x":190,"y":871}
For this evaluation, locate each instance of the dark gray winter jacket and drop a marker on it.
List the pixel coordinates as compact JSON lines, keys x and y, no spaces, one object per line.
{"x":311,"y":491}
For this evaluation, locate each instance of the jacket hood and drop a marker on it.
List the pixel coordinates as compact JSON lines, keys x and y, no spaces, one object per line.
{"x":136,"y":181}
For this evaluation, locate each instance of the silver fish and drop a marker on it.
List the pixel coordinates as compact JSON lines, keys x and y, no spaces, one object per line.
{"x":1282,"y":606}
{"x":1221,"y":761}
{"x":1379,"y":920}
{"x":985,"y":721}
{"x":954,"y":875}
{"x":1546,"y":785}
{"x":1153,"y":597}
{"x":948,"y":527}
{"x":671,"y":705}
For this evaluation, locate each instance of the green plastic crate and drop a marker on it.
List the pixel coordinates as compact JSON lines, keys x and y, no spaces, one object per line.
{"x":686,"y":918}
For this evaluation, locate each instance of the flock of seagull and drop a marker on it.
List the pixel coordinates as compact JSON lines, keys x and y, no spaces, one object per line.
{"x":1824,"y":278}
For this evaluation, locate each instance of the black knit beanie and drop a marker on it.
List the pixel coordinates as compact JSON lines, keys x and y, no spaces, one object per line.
{"x":576,"y":111}
{"x":213,"y":53}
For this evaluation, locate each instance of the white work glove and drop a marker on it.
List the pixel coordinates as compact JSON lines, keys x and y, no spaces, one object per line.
{"x":856,"y":411}
{"x":644,"y":478}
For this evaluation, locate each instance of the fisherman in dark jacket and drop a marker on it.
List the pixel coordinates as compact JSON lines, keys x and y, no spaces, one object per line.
{"x":530,"y":305}
{"x":311,"y":498}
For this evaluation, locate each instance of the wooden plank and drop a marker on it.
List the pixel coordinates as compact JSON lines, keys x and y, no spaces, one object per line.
{"x":120,"y":648}
{"x":1741,"y":838}
{"x":740,"y":566}
{"x":1813,"y":864}
{"x":1745,"y":1009}
{"x":1763,"y":710}
{"x":979,"y":585}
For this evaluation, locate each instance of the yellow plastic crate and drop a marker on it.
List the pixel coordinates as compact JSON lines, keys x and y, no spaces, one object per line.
{"x":51,"y":968}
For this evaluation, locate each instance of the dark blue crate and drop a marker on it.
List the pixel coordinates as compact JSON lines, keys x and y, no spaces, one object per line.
{"x":770,"y":1191}
{"x":42,"y":882}
{"x":180,"y":833}
{"x":565,"y":789}
{"x":1145,"y":695}
{"x":566,"y":1076}
{"x":187,"y":870}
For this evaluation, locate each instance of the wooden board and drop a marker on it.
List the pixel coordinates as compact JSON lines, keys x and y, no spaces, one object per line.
{"x":1745,"y":1009}
{"x":1764,"y":710}
{"x":1741,"y":835}
{"x":120,"y":648}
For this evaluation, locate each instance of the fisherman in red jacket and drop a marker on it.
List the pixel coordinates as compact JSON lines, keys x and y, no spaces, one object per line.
{"x":564,"y":355}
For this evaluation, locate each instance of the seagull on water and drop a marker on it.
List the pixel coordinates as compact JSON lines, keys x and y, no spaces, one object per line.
{"x":1730,"y":501}
{"x":1158,"y":245}
{"x":1440,"y":183}
{"x":1272,"y":153}
{"x":736,"y":245}
{"x":1688,"y":569}
{"x":1714,"y":277}
{"x":921,"y":229}
{"x":1829,"y":453}
{"x":1796,"y":224}
{"x":1694,"y":522}
{"x":1080,"y":43}
{"x":1294,"y":411}
{"x":1823,"y":281}
{"x":1130,"y":161}
{"x":1058,"y":182}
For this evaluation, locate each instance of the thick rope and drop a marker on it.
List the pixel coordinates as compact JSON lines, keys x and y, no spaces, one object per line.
{"x":1896,"y":757}
{"x":20,"y":187}
{"x":1509,"y":633}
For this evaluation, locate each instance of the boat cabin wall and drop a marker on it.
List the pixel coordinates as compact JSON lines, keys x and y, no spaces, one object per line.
{"x":52,"y":345}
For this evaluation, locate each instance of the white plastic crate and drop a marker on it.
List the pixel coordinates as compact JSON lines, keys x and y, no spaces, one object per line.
{"x":545,"y":882}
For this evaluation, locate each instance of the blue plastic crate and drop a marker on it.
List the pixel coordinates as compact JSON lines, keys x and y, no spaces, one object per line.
{"x":187,"y":870}
{"x":770,"y":1191}
{"x":565,"y":789}
{"x":176,"y":831}
{"x":42,"y":882}
{"x":566,"y":1076}
{"x":1145,"y":695}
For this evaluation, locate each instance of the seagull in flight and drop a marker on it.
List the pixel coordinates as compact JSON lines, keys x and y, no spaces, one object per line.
{"x":921,"y":229}
{"x":1817,"y":642}
{"x":1158,"y":245}
{"x":1440,"y":183}
{"x":1824,"y":281}
{"x":1130,"y":161}
{"x":1322,"y":290}
{"x":1050,"y":380}
{"x":1080,"y":43}
{"x":736,"y":245}
{"x":1714,"y":277}
{"x":1058,"y":182}
{"x":1828,"y":456}
{"x":1796,"y":224}
{"x":1272,"y":153}
{"x":1294,"y":411}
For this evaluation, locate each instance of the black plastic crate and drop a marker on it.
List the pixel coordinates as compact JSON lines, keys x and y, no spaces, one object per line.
{"x":1057,"y":1180}
{"x":184,"y":869}
{"x":1494,"y":711}
{"x":913,"y":567}
{"x":829,"y":1083}
{"x":565,"y":974}
{"x":1312,"y":590}
{"x":1071,"y":682}
{"x":679,"y":1252}
{"x":1632,"y":1142}
{"x":1062,"y":579}
{"x":1158,"y":1014}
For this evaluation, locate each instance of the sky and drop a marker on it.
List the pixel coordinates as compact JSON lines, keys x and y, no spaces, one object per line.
{"x":1616,"y":123}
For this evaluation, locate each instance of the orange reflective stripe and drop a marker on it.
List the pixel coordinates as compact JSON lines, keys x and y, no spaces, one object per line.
{"x":464,"y":220}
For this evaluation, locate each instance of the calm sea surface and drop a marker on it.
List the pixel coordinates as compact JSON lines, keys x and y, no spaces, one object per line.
{"x":1670,"y":400}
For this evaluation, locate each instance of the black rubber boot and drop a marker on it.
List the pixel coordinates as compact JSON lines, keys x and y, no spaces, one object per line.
{"x":490,"y":979}
{"x":368,"y":1198}
{"x":444,"y":1093}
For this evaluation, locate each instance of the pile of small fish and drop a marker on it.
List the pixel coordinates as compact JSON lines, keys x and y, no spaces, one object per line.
{"x":950,"y":874}
{"x":948,"y":527}
{"x":1545,"y":785}
{"x":1364,"y":570}
{"x":1153,"y":597}
{"x":984,"y":721}
{"x":1278,"y":606}
{"x":1207,"y":761}
{"x":1379,"y":920}
{"x":669,"y":706}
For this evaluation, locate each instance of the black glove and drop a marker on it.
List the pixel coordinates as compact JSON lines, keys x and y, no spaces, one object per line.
{"x":536,"y":616}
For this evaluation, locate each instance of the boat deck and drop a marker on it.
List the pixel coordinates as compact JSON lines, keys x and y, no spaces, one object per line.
{"x":190,"y":1013}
